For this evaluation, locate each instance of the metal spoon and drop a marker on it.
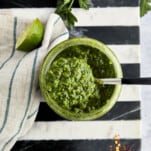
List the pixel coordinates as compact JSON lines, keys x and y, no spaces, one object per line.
{"x":132,"y":81}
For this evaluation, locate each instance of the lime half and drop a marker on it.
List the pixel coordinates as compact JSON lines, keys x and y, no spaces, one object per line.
{"x":31,"y":37}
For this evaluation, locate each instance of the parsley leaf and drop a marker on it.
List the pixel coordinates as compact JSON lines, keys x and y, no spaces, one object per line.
{"x":84,"y":4}
{"x":64,"y":9}
{"x":144,"y":7}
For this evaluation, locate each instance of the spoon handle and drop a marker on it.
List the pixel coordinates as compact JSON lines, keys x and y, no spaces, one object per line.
{"x":132,"y":81}
{"x":140,"y":81}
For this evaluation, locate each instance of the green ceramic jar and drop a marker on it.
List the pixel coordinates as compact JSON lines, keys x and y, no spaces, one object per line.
{"x":66,"y":79}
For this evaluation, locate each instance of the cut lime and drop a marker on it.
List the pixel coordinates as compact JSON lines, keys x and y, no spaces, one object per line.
{"x":31,"y":37}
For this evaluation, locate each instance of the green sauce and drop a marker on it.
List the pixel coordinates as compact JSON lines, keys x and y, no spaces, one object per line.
{"x":71,"y":79}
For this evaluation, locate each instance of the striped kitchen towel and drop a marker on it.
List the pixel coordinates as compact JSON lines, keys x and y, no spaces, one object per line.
{"x":19,"y":90}
{"x":116,"y":23}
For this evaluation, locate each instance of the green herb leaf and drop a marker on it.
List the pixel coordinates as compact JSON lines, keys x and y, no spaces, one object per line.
{"x":145,"y":7}
{"x":67,"y":16}
{"x":71,"y":19}
{"x":84,"y":4}
{"x":67,"y":1}
{"x":64,"y":9}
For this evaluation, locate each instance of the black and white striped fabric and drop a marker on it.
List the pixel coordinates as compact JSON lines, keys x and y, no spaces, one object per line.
{"x":116,"y":23}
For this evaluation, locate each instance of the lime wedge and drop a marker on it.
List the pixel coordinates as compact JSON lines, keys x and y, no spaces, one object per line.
{"x":31,"y":37}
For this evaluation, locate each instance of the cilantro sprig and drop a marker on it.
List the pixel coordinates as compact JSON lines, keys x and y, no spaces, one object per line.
{"x":64,"y":9}
{"x":144,"y":7}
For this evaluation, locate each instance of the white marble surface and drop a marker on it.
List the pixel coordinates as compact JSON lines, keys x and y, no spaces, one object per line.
{"x":146,"y":71}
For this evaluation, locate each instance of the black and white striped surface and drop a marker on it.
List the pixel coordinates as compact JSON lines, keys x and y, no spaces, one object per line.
{"x":116,"y":23}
